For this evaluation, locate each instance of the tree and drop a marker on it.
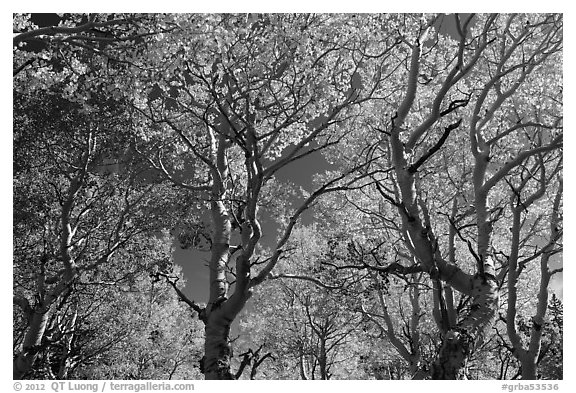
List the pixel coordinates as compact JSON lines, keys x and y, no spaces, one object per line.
{"x":391,"y":297}
{"x":508,"y":128}
{"x":444,"y":139}
{"x":551,"y":354}
{"x":529,"y":354}
{"x":451,"y":198}
{"x":47,"y":46}
{"x":248,"y":96}
{"x":304,"y":316}
{"x":72,"y":213}
{"x":154,"y":335}
{"x":121,"y":324}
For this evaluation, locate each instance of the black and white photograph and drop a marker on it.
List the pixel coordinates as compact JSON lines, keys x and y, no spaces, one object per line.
{"x":369,"y":196}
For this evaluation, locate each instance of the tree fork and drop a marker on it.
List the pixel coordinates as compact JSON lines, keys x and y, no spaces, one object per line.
{"x":460,"y":342}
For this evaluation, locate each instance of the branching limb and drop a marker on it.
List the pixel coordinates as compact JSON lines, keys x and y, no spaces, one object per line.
{"x":173,"y":282}
{"x":330,"y":186}
{"x":414,"y":167}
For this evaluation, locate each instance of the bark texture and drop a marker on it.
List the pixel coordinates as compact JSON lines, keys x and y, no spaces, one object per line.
{"x":32,"y":341}
{"x":460,"y":341}
{"x":218,"y":351}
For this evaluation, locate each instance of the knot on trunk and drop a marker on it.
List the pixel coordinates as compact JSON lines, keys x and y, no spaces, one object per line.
{"x":223,"y":370}
{"x":218,"y":303}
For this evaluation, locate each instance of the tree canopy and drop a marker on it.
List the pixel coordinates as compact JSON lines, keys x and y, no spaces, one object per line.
{"x":425,"y":250}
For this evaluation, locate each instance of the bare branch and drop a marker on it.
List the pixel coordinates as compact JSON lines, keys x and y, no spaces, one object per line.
{"x":316,"y":281}
{"x":327,"y":187}
{"x":173,"y":282}
{"x":414,"y":167}
{"x":519,"y":159}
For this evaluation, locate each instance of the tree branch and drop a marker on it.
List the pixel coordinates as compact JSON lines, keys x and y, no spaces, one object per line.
{"x":173,"y":282}
{"x":414,"y":167}
{"x":316,"y":281}
{"x":54,"y":30}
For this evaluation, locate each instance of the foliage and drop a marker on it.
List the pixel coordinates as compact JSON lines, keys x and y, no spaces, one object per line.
{"x":304,"y":318}
{"x":433,"y":237}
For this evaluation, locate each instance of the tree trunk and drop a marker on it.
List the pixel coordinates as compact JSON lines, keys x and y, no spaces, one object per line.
{"x":25,"y":359}
{"x":528,"y":366}
{"x":459,"y":342}
{"x":323,"y":359}
{"x":217,"y":348}
{"x":301,"y":367}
